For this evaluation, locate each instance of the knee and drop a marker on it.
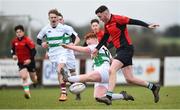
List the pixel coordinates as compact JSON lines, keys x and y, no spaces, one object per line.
{"x":60,"y":70}
{"x":129,"y":80}
{"x":34,"y":79}
{"x":90,"y":78}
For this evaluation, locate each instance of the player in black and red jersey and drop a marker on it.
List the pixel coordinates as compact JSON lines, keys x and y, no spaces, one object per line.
{"x":23,"y":50}
{"x":116,"y":27}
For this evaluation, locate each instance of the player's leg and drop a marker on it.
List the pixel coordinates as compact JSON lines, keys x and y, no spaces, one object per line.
{"x":93,"y":76}
{"x":128,"y":74}
{"x":62,"y":84}
{"x":71,"y":65}
{"x":73,"y":73}
{"x":33,"y":77}
{"x":24,"y":76}
{"x":100,"y":90}
{"x":32,"y":72}
{"x":115,"y":66}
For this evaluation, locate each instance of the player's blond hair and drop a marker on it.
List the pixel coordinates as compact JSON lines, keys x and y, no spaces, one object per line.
{"x":53,"y":11}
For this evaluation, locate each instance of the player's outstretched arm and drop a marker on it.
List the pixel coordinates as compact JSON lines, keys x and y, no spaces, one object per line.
{"x":77,"y":48}
{"x":142,"y":23}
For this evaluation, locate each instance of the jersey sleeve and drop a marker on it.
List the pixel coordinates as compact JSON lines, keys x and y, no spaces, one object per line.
{"x":30,"y":43}
{"x":42,"y":33}
{"x":68,"y":30}
{"x":12,"y":48}
{"x":72,"y":30}
{"x":122,"y":19}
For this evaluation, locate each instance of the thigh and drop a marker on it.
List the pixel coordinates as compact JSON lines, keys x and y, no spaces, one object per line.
{"x":93,"y":76}
{"x":116,"y":65}
{"x":125,"y":55}
{"x":71,"y":62}
{"x":104,"y":72}
{"x":31,"y":67}
{"x":24,"y":73}
{"x":127,"y":71}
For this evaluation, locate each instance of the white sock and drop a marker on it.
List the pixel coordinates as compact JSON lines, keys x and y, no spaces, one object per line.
{"x":117,"y":96}
{"x":74,"y":78}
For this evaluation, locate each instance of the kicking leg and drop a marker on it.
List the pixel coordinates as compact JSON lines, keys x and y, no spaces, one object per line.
{"x":127,"y":71}
{"x":93,"y":76}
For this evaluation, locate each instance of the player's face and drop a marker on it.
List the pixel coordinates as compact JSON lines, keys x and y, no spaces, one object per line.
{"x":90,"y":41}
{"x":104,"y":16}
{"x":53,"y":18}
{"x":19,"y":33}
{"x":95,"y":27}
{"x":61,"y":20}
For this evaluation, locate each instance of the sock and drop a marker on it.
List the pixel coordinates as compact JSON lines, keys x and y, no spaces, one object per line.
{"x":74,"y":78}
{"x":151,"y":86}
{"x":26,"y":86}
{"x":63,"y":88}
{"x":73,"y":73}
{"x":117,"y":96}
{"x":109,"y":94}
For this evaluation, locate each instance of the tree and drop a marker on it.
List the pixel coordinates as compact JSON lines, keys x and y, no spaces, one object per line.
{"x":172,"y":31}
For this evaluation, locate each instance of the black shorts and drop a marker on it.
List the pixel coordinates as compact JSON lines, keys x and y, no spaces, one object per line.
{"x":31,"y":67}
{"x":125,"y":54}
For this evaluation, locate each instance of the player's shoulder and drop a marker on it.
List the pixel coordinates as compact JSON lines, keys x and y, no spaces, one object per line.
{"x":119,"y":16}
{"x":27,"y":38}
{"x":14,"y":39}
{"x":48,"y":26}
{"x":68,"y":27}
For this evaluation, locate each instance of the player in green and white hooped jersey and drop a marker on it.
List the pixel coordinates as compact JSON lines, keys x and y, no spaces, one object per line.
{"x":100,"y":73}
{"x":57,"y":34}
{"x":71,"y":52}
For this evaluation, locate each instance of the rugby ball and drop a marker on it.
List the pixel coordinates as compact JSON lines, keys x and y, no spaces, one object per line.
{"x":77,"y":88}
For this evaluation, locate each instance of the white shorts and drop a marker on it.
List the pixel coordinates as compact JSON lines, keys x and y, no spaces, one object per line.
{"x":103,"y":85}
{"x":104,"y":71}
{"x":67,"y":59}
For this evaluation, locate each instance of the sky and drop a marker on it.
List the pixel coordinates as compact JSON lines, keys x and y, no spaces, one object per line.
{"x":80,"y":12}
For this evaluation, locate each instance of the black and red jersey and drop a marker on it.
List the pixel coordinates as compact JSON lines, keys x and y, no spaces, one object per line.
{"x":22,"y":48}
{"x":100,"y":35}
{"x":117,"y":29}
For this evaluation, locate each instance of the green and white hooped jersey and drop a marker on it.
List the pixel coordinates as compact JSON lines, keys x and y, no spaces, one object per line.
{"x":103,"y":55}
{"x":55,"y":37}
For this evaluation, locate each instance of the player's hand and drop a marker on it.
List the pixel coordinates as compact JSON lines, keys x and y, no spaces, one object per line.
{"x":94,"y":53}
{"x":14,"y":57}
{"x":44,"y":45}
{"x":26,"y":62}
{"x":153,"y":26}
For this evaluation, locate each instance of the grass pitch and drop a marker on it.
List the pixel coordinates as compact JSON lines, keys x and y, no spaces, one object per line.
{"x":47,"y":98}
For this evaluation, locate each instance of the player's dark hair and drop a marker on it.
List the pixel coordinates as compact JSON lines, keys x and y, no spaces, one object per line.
{"x":53,"y":11}
{"x":101,"y":9}
{"x":59,"y":14}
{"x":94,"y":21}
{"x":19,"y":27}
